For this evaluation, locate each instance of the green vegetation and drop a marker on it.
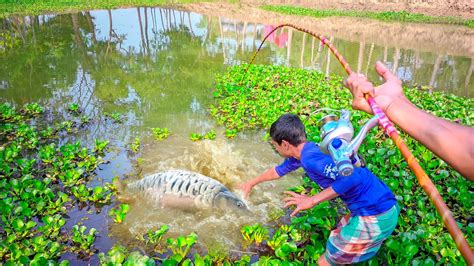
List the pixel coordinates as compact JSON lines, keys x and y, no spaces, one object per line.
{"x":160,"y":133}
{"x":254,"y":233}
{"x":115,"y":116}
{"x":74,"y":109}
{"x":39,"y":181}
{"x":135,"y":145}
{"x":42,"y":178}
{"x":209,"y":135}
{"x":402,"y":16}
{"x":180,"y":247}
{"x":255,"y":99}
{"x":31,"y":7}
{"x":119,"y":255}
{"x":154,"y":237}
{"x":119,"y":213}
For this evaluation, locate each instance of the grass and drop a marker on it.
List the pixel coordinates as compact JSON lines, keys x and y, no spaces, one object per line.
{"x":35,"y":7}
{"x":402,"y":16}
{"x":32,"y":7}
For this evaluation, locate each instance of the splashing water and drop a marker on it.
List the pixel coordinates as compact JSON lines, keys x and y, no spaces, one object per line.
{"x":228,"y":162}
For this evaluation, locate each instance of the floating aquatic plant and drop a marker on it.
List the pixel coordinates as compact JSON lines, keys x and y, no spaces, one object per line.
{"x":255,"y":99}
{"x":135,"y":145}
{"x":160,"y":133}
{"x":119,"y":213}
{"x":208,"y":135}
{"x":39,"y":181}
{"x":180,"y":247}
{"x":115,"y":116}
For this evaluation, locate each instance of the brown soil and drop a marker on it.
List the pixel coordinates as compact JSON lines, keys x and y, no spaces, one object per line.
{"x":455,"y":8}
{"x":437,"y":38}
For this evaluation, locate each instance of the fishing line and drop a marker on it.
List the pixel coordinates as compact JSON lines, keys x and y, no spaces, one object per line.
{"x":383,"y":120}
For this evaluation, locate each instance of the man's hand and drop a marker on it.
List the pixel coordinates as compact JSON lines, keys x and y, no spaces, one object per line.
{"x":268,"y":175}
{"x":302,"y":202}
{"x":384,"y":95}
{"x":246,"y":188}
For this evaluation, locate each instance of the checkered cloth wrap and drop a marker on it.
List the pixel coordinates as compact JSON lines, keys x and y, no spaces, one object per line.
{"x":358,"y":238}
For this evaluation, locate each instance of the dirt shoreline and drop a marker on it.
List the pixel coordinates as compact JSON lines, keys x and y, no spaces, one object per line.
{"x":436,"y":38}
{"x":455,"y":8}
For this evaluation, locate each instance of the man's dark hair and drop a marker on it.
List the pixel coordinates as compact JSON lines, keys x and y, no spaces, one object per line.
{"x":290,"y":128}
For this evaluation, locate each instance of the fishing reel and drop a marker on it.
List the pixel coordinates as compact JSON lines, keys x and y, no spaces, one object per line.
{"x":336,"y":140}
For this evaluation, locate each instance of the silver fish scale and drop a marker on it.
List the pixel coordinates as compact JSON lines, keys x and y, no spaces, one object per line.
{"x":179,"y":183}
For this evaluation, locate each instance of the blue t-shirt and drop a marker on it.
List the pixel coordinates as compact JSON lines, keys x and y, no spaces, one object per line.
{"x":362,"y":192}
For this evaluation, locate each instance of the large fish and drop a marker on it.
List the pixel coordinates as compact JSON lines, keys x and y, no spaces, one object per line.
{"x":181,"y":188}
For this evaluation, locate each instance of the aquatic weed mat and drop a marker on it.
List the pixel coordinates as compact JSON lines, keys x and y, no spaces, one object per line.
{"x":253,"y":100}
{"x":390,"y":16}
{"x":42,"y":178}
{"x":12,"y":7}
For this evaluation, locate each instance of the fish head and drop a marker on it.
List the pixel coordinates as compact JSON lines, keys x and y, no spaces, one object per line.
{"x":227,"y":200}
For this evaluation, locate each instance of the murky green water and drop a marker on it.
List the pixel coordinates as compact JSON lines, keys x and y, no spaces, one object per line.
{"x":156,"y":66}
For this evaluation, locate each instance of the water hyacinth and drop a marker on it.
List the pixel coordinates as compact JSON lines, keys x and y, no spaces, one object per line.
{"x":39,"y":181}
{"x":253,"y":100}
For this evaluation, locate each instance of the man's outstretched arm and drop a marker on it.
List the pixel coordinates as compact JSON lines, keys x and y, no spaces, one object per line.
{"x":452,"y":142}
{"x":268,"y":175}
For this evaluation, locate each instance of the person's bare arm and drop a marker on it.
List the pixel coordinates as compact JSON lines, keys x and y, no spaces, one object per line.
{"x":452,"y":142}
{"x":304,"y":202}
{"x":268,"y":175}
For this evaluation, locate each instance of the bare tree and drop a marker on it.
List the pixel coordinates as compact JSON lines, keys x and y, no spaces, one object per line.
{"x":396,"y":59}
{"x":162,"y":23}
{"x":111,"y":29}
{"x":331,"y":39}
{"x":141,"y":30}
{"x":174,"y":17}
{"x":360,"y":60}
{"x":77,"y":32}
{"x":222,"y":38}
{"x":468,"y":77}
{"x":369,"y":59}
{"x":438,"y":61}
{"x":90,"y":21}
{"x":244,"y":31}
{"x":303,"y":43}
{"x":190,"y":25}
{"x":146,"y":31}
{"x":288,"y":50}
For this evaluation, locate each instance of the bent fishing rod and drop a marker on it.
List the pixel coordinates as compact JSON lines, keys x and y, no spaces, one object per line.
{"x":422,"y":177}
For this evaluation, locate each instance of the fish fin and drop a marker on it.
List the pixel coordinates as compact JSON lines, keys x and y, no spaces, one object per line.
{"x":122,"y":194}
{"x":118,"y":184}
{"x":125,"y":198}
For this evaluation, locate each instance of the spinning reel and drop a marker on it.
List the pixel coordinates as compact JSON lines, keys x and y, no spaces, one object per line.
{"x":336,"y":140}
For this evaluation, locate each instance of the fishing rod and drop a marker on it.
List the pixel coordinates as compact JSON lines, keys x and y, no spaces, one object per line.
{"x":422,"y":177}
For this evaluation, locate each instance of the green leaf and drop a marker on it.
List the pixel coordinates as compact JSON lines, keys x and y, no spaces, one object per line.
{"x":410,"y":251}
{"x":392,"y":244}
{"x":18,"y":224}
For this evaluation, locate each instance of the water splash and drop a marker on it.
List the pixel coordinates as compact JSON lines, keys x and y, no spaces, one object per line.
{"x":228,"y":162}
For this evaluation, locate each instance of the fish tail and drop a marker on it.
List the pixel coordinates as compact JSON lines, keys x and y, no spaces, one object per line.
{"x":118,"y":184}
{"x":121,"y":187}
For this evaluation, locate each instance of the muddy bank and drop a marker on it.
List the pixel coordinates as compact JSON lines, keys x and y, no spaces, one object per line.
{"x":456,"y":8}
{"x":436,"y":38}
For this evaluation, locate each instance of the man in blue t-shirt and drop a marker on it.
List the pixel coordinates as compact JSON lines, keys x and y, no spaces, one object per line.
{"x":373,"y":207}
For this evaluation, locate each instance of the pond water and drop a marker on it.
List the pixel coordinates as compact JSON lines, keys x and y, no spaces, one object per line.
{"x":156,"y":66}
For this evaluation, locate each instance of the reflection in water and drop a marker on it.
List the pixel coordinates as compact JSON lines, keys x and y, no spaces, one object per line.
{"x":155,"y":66}
{"x":104,"y":39}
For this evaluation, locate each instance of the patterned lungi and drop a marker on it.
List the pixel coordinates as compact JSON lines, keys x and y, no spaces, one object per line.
{"x":358,"y":238}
